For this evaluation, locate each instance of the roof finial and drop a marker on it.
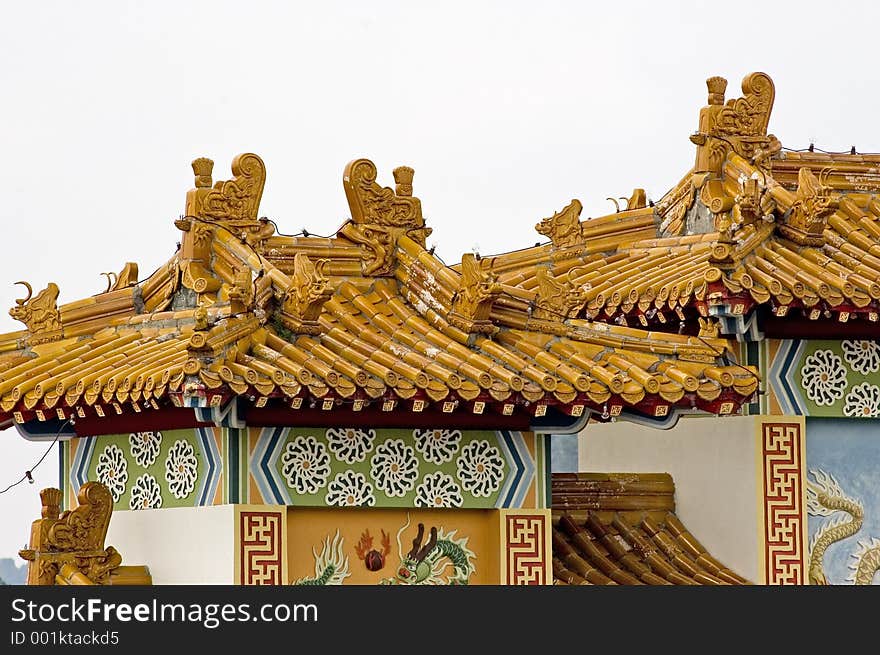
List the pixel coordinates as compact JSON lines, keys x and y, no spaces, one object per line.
{"x":236,"y":200}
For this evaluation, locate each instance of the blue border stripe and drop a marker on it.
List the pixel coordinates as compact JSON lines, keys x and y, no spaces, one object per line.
{"x":781,"y":376}
{"x":518,"y":467}
{"x":254,"y":464}
{"x":79,"y":469}
{"x":529,"y":466}
{"x":208,"y":486}
{"x":262,"y":465}
{"x":512,"y":493}
{"x":279,"y":439}
{"x":512,"y":468}
{"x":522,"y":466}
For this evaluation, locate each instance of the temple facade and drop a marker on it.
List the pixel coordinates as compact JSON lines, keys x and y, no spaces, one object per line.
{"x":269,"y":409}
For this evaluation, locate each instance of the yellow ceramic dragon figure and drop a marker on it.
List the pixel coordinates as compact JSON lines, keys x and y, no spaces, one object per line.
{"x":825,"y":498}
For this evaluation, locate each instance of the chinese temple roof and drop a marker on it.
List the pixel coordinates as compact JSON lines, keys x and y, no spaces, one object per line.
{"x":751,"y":226}
{"x":616,"y":315}
{"x":613,"y":528}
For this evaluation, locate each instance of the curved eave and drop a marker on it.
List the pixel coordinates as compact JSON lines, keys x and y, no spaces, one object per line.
{"x":613,"y":528}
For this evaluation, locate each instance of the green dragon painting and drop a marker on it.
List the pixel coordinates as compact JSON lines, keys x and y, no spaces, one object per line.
{"x":444,"y":559}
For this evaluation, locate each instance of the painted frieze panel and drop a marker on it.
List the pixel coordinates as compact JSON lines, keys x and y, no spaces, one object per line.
{"x":390,"y":547}
{"x":151,"y":469}
{"x":312,"y":467}
{"x":843,"y":502}
{"x":421,"y":468}
{"x":837,"y":378}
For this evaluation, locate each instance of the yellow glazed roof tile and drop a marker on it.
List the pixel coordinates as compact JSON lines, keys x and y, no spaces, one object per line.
{"x":614,"y":528}
{"x":628,"y":311}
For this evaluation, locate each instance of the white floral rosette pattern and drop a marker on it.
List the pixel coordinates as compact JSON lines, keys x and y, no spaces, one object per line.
{"x":824,"y":377}
{"x":437,"y":446}
{"x":862,"y":401}
{"x":350,"y":489}
{"x":181,"y":469}
{"x":862,"y":356}
{"x":394,"y":468}
{"x":112,"y":470}
{"x":350,"y":445}
{"x":146,"y":493}
{"x":480,"y":468}
{"x":438,"y":490}
{"x":305,"y":464}
{"x":145,"y":447}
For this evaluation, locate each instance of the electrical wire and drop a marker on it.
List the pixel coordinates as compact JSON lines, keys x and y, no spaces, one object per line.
{"x":813,"y":148}
{"x":27,"y":474}
{"x":304,"y":232}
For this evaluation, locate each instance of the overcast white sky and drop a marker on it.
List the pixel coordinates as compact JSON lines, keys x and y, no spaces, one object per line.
{"x":506,"y":110}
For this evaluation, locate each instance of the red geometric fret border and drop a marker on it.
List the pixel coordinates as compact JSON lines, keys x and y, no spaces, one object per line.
{"x":784,"y":523}
{"x":261,"y":554}
{"x":525,"y":547}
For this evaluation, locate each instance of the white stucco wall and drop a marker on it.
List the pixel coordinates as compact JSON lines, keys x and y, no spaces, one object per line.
{"x":713,"y":464}
{"x":180,"y":545}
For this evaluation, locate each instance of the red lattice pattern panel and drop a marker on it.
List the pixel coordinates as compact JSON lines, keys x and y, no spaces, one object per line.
{"x":783,"y":511}
{"x":260,"y":548}
{"x":526,"y":549}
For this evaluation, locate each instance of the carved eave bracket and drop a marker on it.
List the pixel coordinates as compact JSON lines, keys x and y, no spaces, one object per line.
{"x":740,"y":125}
{"x":559,"y":298}
{"x":806,"y":221}
{"x":74,"y":538}
{"x":478,"y":290}
{"x":380,"y":215}
{"x":564,"y":227}
{"x":40,"y":314}
{"x":308,"y":292}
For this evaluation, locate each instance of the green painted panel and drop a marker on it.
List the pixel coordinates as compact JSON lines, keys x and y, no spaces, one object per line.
{"x":392,"y":468}
{"x":148,"y":470}
{"x":840,"y":378}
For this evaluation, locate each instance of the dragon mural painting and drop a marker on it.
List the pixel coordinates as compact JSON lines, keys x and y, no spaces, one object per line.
{"x":331,"y":566}
{"x":825,"y":497}
{"x":444,"y":558}
{"x":373,"y":559}
{"x":430,"y":564}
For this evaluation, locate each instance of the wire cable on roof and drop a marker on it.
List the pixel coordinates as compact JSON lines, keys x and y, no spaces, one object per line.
{"x":812,"y":148}
{"x":304,"y":232}
{"x":28,"y":474}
